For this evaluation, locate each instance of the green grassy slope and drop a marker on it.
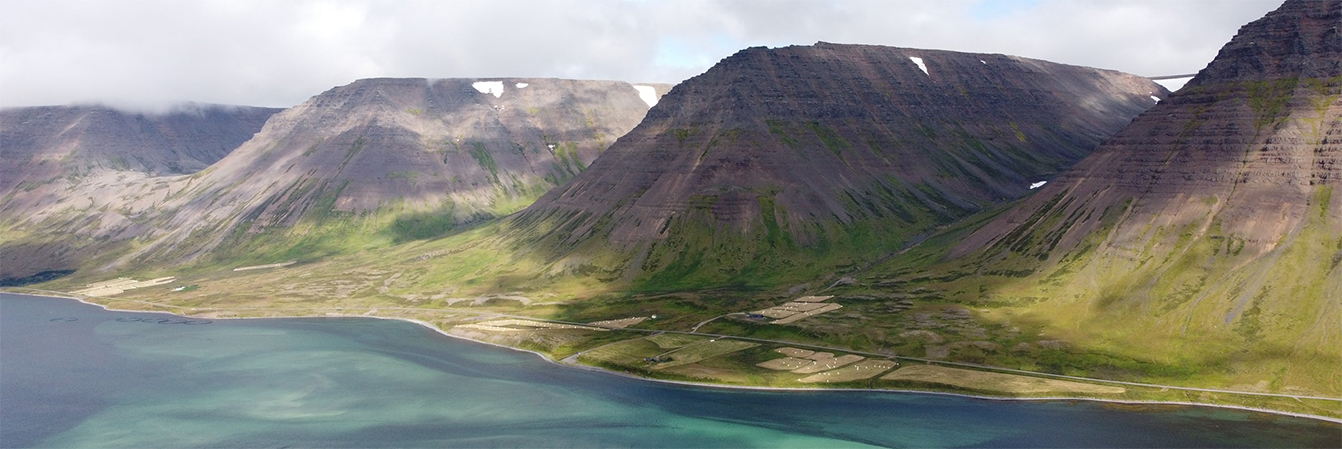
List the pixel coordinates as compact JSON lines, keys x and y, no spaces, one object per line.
{"x":1221,"y":266}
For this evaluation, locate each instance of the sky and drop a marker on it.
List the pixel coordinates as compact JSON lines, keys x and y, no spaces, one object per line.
{"x":151,"y":54}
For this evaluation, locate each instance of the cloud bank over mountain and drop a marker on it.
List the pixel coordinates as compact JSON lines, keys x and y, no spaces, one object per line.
{"x":149,"y":54}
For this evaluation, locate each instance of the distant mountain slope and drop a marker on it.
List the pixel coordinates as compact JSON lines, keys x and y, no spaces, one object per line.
{"x":69,"y":140}
{"x":1206,"y":234}
{"x":379,"y":159}
{"x":840,"y":149}
{"x":49,"y":151}
{"x":418,"y":156}
{"x":60,"y":165}
{"x":1250,"y":134}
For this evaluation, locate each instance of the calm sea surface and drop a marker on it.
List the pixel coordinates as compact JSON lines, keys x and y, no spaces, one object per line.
{"x":73,"y":375}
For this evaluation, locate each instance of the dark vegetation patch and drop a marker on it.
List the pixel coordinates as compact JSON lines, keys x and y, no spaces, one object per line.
{"x":422,"y":225}
{"x":38,"y":278}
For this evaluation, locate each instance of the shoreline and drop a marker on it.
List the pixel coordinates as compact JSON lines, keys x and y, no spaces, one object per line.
{"x":704,"y":384}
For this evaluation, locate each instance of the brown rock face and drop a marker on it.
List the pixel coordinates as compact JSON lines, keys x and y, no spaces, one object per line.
{"x":805,"y":141}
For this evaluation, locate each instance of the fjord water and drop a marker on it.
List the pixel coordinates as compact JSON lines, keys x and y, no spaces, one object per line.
{"x":74,"y":375}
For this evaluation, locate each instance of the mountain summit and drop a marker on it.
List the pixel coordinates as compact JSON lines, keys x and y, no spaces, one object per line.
{"x":1242,"y":155}
{"x":774,"y":151}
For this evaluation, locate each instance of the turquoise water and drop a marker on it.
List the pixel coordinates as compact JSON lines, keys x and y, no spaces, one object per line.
{"x":73,"y":375}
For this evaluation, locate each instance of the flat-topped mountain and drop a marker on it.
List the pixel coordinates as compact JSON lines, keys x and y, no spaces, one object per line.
{"x":827,"y":146}
{"x":419,"y":155}
{"x":396,"y":158}
{"x":1208,"y":233}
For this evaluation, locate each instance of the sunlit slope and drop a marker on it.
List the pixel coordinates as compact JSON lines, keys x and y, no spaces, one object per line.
{"x":1207,"y":235}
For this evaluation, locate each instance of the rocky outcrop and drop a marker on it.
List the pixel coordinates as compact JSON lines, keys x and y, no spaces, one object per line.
{"x":804,"y":144}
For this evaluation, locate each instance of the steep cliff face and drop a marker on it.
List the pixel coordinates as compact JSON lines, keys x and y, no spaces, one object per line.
{"x":826,"y":146}
{"x":420,"y":155}
{"x":1213,"y":218}
{"x":83,"y":171}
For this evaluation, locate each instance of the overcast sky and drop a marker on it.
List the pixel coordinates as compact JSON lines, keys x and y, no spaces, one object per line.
{"x":148,"y":54}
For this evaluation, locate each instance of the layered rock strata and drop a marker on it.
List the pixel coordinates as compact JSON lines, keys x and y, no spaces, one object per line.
{"x":805,"y":142}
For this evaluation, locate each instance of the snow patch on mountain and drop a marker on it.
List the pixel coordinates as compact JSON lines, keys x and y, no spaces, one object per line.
{"x":489,"y":87}
{"x":648,"y":94}
{"x":919,"y":61}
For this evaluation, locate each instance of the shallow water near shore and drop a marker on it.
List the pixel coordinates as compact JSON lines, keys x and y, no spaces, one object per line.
{"x":75,"y":375}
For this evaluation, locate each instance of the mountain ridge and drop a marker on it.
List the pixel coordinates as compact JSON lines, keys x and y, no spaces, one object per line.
{"x":461,"y":150}
{"x":1207,"y":234}
{"x":384,"y":158}
{"x":788,"y":141}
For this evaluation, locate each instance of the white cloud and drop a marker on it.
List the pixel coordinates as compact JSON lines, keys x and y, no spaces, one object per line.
{"x":149,"y":53}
